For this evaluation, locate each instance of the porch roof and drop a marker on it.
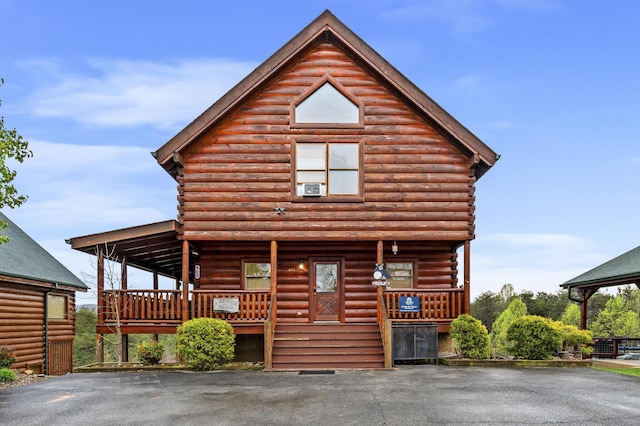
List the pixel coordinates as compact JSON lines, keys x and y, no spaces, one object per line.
{"x":152,"y":247}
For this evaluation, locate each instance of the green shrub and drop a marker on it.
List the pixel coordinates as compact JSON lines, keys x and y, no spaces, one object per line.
{"x":6,"y":356}
{"x":150,"y":353}
{"x":573,"y":337}
{"x":533,"y":337}
{"x":205,"y":342}
{"x":7,"y":375}
{"x":470,"y":337}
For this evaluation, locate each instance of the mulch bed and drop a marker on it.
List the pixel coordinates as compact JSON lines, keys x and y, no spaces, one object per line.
{"x":23,"y":379}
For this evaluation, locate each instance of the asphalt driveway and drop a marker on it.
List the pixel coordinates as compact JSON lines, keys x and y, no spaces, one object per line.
{"x":410,"y":395}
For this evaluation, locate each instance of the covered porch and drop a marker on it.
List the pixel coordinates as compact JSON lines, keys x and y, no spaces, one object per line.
{"x":158,"y":249}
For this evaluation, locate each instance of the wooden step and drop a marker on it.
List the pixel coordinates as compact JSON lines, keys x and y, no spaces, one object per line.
{"x":327,"y":346}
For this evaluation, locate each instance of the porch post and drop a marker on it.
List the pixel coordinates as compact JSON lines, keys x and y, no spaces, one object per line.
{"x":274,"y":267}
{"x":467,"y":277}
{"x":379,"y":260}
{"x":100,"y":307}
{"x":185,"y":280}
{"x":123,"y":273}
{"x":123,"y":286}
{"x":155,"y":287}
{"x":584,"y":311}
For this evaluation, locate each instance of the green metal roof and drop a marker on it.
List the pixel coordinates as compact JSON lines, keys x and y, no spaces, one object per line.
{"x":22,"y":257}
{"x":624,"y":269}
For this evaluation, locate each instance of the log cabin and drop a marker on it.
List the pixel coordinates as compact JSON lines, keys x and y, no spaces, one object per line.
{"x":37,"y":305}
{"x":314,"y":198}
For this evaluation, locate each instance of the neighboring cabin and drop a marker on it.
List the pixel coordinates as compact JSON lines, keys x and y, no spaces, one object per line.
{"x":322,"y":163}
{"x":37,"y":304}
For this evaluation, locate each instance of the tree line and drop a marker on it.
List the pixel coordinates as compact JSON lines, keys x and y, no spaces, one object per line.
{"x":608,"y":315}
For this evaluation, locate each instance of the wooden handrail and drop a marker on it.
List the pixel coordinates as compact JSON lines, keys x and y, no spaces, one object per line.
{"x":385,"y":330}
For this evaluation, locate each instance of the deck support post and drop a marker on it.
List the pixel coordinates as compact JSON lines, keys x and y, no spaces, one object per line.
{"x":467,"y":277}
{"x":124,"y":286}
{"x":100,"y":307}
{"x":99,"y":348}
{"x":185,"y":281}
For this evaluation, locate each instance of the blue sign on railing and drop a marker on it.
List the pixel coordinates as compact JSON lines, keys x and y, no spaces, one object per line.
{"x":409,"y":304}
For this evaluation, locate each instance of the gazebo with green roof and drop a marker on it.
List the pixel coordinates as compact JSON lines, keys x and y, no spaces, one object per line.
{"x":622,"y":270}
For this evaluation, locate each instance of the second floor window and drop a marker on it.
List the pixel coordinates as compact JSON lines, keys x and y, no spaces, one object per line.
{"x":324,"y":169}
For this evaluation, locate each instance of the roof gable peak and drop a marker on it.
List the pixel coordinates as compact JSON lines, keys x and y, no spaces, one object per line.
{"x":330,"y":27}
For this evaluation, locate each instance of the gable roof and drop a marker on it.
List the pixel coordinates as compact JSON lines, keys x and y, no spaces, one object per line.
{"x":624,"y":269}
{"x":22,"y":257}
{"x":326,"y":22}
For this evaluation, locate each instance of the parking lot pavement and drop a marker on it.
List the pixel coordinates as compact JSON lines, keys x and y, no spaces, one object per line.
{"x":409,"y":395}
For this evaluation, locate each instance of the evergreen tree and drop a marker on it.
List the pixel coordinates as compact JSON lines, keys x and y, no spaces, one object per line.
{"x":486,"y":308}
{"x":616,"y":319}
{"x":571,"y":315}
{"x":499,"y":341}
{"x":84,"y":344}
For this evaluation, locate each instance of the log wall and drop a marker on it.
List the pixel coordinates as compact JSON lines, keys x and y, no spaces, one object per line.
{"x":221,"y":270}
{"x":22,"y":310}
{"x":417,"y":185}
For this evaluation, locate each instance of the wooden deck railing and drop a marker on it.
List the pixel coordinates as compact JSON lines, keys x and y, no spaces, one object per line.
{"x":164,"y":306}
{"x":251,"y":305}
{"x":435,"y":305}
{"x":142,"y":306}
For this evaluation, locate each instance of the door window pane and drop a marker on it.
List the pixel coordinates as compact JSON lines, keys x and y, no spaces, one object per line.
{"x":326,"y":277}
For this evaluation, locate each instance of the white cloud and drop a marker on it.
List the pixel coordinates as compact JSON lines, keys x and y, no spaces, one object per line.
{"x":77,"y":189}
{"x":534,"y":262}
{"x":134,"y":93}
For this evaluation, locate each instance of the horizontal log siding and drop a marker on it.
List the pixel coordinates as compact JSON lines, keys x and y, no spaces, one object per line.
{"x":22,"y":323}
{"x":417,"y":185}
{"x":221,"y":270}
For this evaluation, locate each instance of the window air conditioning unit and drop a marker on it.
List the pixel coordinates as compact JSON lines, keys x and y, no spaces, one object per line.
{"x":311,"y":189}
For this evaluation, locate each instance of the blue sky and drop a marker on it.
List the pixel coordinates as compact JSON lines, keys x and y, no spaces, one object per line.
{"x":550,"y":85}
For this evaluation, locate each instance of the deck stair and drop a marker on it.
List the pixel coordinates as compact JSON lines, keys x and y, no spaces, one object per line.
{"x":327,"y":346}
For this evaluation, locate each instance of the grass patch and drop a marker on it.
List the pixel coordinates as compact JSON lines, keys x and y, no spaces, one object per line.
{"x":626,"y":371}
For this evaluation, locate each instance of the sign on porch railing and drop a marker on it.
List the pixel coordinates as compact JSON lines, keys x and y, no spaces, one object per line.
{"x":226,"y":304}
{"x":409,"y":304}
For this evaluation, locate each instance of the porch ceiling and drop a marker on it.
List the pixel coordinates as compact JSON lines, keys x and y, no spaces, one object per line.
{"x":150,"y":247}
